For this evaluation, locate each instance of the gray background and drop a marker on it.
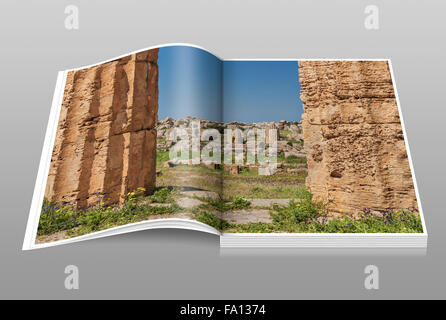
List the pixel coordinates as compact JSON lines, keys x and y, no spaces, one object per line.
{"x":183,"y":264}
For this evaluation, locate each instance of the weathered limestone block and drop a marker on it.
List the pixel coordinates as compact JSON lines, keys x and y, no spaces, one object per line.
{"x":353,"y":136}
{"x":105,"y":144}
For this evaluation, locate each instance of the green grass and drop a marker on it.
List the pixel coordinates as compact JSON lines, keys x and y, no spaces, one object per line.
{"x":295,"y":160}
{"x":402,"y":221}
{"x":246,"y":172}
{"x":57,"y":217}
{"x":184,"y":176}
{"x":162,"y":156}
{"x":238,"y":203}
{"x":294,"y":141}
{"x":308,"y":216}
{"x":102,"y":217}
{"x":263,"y":188}
{"x":211,"y":219}
{"x":197,"y":169}
{"x":291,"y":159}
{"x":162,"y":195}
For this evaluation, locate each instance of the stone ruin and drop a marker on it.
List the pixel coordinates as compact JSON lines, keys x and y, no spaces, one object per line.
{"x":289,"y":143}
{"x":106,"y":138}
{"x":105,"y":145}
{"x":353,"y":137}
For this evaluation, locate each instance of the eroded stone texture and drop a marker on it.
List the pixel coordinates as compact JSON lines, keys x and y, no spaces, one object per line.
{"x":106,"y":137}
{"x":353,"y":136}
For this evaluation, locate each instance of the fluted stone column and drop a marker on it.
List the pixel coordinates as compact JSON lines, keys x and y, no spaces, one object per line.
{"x":105,"y":145}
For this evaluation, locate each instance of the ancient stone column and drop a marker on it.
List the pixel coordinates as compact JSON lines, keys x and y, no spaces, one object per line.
{"x":105,"y":144}
{"x":353,"y":136}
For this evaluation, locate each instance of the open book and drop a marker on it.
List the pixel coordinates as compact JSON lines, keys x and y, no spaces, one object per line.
{"x":262,"y":153}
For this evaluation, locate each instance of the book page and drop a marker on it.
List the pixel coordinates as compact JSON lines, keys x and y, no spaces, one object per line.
{"x":317,"y":146}
{"x":174,"y":137}
{"x":133,"y":142}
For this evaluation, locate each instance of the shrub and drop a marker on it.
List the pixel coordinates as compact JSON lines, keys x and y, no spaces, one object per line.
{"x":56,"y":217}
{"x":240,"y":203}
{"x":221,"y":205}
{"x":215,"y":204}
{"x":389,"y":221}
{"x":211,"y":219}
{"x":162,"y":156}
{"x":162,"y":195}
{"x":309,"y":216}
{"x":102,"y":217}
{"x":298,"y":214}
{"x":139,"y":192}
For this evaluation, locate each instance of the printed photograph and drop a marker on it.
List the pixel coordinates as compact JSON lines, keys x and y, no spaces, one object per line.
{"x":244,"y":146}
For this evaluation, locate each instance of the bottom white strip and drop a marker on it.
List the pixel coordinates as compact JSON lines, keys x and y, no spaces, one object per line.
{"x":254,"y":240}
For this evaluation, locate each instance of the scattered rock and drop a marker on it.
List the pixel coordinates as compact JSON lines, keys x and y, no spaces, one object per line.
{"x":169,"y":164}
{"x":233,"y":169}
{"x":293,"y":131}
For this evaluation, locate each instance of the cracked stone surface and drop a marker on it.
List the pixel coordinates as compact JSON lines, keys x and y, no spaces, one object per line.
{"x":354,"y":141}
{"x":246,"y":216}
{"x":268,"y":202}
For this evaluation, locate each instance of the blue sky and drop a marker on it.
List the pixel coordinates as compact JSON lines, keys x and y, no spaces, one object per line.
{"x":193,"y":82}
{"x":255,"y":91}
{"x":189,"y":83}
